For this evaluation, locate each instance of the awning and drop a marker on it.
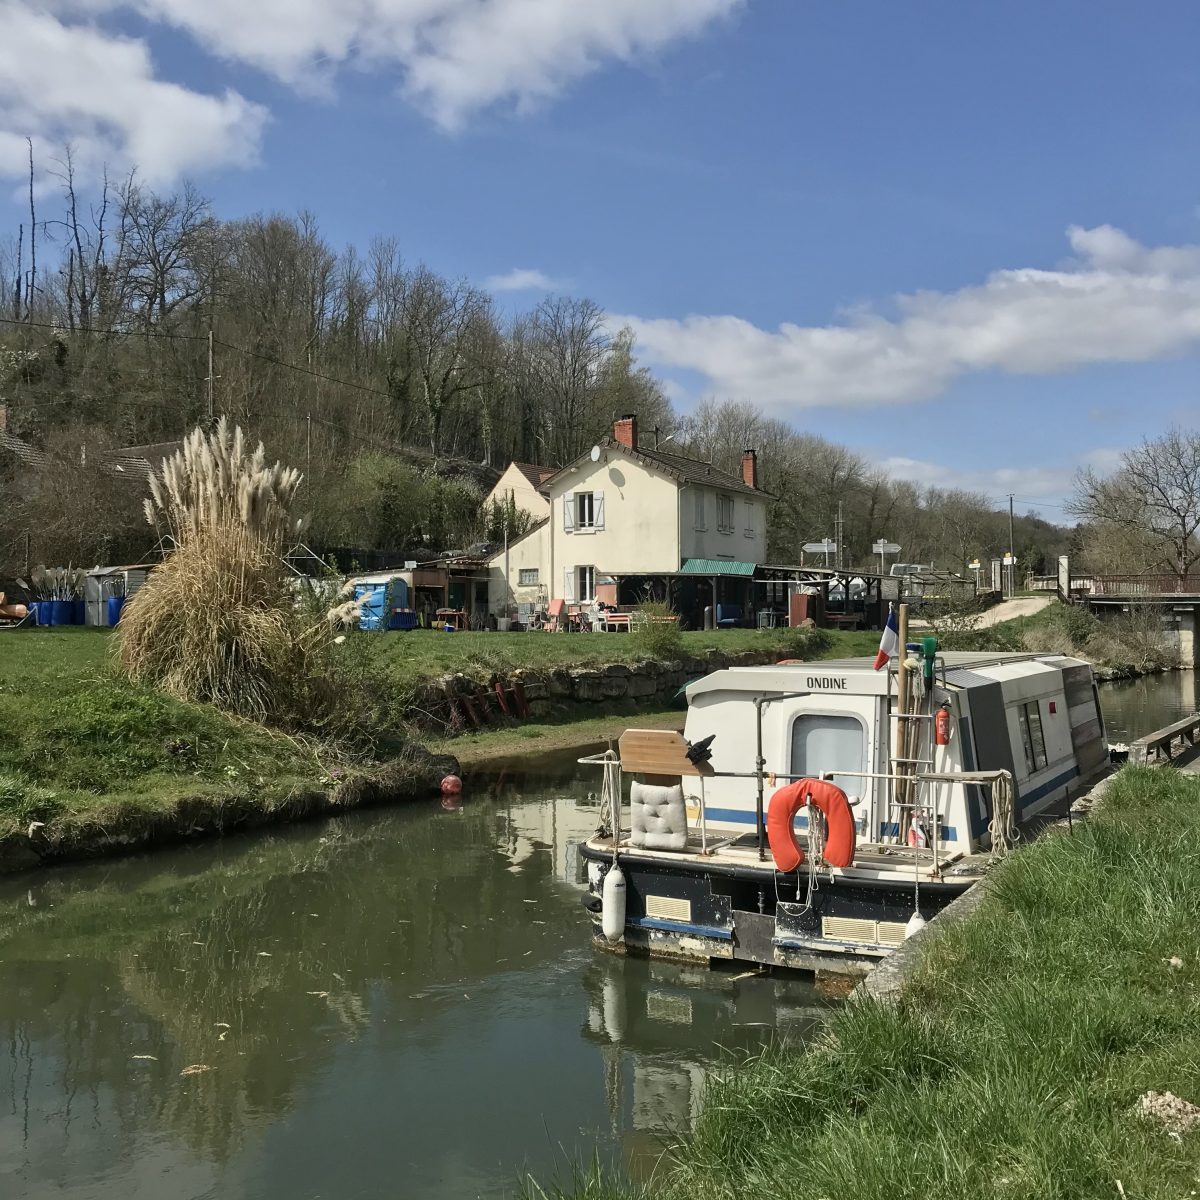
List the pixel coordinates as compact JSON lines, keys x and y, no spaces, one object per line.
{"x":716,"y":566}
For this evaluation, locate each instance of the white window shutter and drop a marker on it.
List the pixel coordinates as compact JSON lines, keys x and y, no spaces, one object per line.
{"x":598,"y":510}
{"x":569,"y":584}
{"x":569,"y":512}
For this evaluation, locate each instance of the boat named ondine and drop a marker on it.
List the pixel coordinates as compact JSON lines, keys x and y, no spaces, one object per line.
{"x":812,"y":815}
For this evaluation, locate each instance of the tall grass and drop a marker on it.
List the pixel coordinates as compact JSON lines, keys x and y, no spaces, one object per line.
{"x":1014,"y":1061}
{"x":216,"y":622}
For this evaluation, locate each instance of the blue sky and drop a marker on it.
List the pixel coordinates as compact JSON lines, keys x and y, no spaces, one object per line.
{"x":961,"y":238}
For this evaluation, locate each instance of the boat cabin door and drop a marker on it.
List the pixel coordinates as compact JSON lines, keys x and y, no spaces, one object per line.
{"x":840,"y":734}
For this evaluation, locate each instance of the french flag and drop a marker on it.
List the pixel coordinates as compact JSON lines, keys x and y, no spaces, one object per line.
{"x":889,"y":644}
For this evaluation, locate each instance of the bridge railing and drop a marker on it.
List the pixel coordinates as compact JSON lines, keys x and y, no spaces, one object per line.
{"x":1145,"y":585}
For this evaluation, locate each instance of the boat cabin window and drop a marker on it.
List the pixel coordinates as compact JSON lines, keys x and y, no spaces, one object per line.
{"x":822,"y":742}
{"x":1029,"y":718}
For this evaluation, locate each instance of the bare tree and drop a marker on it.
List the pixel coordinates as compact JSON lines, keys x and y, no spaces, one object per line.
{"x":1154,"y":495}
{"x":439,"y":320}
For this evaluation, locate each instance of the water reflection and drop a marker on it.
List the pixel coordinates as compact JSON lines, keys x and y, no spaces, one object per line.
{"x":392,"y":1003}
{"x":1135,"y":707}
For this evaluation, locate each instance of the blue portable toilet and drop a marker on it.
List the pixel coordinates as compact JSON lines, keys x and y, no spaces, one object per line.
{"x":377,"y":598}
{"x":371,"y":604}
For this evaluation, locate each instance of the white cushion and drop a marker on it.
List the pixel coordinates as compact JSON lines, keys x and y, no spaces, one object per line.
{"x":659,"y":817}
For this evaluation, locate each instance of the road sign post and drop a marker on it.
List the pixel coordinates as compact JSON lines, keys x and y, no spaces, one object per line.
{"x":881,"y":548}
{"x":826,"y":546}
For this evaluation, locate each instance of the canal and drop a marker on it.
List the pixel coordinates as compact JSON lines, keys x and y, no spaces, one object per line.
{"x":398,"y":1003}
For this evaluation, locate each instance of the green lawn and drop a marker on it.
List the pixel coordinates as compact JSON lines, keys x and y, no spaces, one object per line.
{"x":1018,"y":1055}
{"x":78,"y":741}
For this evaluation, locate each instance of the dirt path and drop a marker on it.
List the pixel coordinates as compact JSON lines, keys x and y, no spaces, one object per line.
{"x":1009,"y":610}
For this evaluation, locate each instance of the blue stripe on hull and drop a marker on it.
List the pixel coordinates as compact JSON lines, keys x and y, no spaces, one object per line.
{"x":711,"y":931}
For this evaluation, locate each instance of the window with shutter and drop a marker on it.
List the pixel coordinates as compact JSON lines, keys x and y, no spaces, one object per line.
{"x":598,"y":509}
{"x":569,"y":512}
{"x":725,"y":514}
{"x":750,"y":518}
{"x":700,"y":510}
{"x":587,"y":583}
{"x":585,"y":510}
{"x":569,"y":584}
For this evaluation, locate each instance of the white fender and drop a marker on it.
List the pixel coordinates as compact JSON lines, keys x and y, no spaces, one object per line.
{"x":612,"y":911}
{"x":915,"y":924}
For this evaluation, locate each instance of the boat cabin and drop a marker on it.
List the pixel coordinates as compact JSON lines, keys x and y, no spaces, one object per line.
{"x":926,"y":790}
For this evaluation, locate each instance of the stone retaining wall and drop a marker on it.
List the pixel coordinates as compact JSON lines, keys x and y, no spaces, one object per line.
{"x":459,"y":701}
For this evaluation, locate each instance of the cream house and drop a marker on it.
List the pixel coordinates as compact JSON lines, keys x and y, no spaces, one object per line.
{"x":521,"y":483}
{"x":623,"y":514}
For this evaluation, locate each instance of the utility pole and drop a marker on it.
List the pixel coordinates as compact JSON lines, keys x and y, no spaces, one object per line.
{"x":1012,"y":553}
{"x":840,"y":538}
{"x":210,"y":378}
{"x":308,"y":445}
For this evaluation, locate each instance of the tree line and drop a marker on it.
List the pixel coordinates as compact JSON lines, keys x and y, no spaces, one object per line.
{"x":134,"y":315}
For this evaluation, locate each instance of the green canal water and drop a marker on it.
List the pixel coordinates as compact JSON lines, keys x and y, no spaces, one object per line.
{"x":393,"y":1004}
{"x":399,"y":1003}
{"x":1136,"y":707}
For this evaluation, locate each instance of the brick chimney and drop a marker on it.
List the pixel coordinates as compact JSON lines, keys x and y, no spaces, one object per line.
{"x":750,"y":468}
{"x":625,"y":431}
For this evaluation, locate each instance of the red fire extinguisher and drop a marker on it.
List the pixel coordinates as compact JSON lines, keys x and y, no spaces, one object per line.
{"x":941,"y":725}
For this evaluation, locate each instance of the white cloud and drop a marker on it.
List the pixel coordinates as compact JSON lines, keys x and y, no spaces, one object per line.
{"x":69,"y":82}
{"x":1032,"y":483}
{"x":1114,"y":301}
{"x":452,"y":57}
{"x":1043,"y":489}
{"x":522,"y":279}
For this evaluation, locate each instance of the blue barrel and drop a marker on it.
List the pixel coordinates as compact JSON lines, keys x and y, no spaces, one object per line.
{"x":62,"y":612}
{"x":115,"y":604}
{"x":78,"y":612}
{"x":41,"y":611}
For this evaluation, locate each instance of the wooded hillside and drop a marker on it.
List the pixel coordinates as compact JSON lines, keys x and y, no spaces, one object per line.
{"x":399,"y":393}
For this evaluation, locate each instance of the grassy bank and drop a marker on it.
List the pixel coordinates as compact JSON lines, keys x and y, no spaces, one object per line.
{"x":89,"y":761}
{"x":1119,"y":648}
{"x":1014,"y":1062}
{"x":421,"y":654}
{"x":576,"y":731}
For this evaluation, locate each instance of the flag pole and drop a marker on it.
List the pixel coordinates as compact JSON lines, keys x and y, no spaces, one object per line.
{"x":902,"y":706}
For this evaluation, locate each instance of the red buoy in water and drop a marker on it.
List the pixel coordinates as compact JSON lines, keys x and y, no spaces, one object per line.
{"x":451,"y":785}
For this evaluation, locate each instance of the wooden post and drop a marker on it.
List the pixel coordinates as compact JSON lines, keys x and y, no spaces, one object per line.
{"x":903,"y":699}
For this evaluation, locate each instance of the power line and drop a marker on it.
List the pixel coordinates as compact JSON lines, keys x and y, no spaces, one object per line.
{"x":57,"y":328}
{"x":197,"y":337}
{"x":279,"y":362}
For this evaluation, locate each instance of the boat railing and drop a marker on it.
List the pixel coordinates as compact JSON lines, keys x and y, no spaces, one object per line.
{"x":990,"y":779}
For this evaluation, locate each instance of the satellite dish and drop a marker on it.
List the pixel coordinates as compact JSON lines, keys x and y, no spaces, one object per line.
{"x":595,"y":454}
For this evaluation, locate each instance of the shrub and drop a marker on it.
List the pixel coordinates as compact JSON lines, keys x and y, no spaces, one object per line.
{"x":656,"y":632}
{"x":802,"y":641}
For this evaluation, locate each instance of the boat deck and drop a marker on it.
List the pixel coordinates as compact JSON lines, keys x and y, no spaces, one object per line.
{"x":871,"y":860}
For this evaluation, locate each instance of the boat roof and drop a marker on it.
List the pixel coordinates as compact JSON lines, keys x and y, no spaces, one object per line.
{"x":821,"y":674}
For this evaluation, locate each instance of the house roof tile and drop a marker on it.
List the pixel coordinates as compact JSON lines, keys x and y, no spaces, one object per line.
{"x":535,"y":475}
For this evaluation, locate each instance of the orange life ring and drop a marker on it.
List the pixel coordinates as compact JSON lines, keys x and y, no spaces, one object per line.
{"x":839,"y":823}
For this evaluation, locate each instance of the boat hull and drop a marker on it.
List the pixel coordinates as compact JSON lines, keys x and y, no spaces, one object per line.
{"x":709,"y":912}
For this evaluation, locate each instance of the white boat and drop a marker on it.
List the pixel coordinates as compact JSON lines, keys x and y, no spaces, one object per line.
{"x":933,"y":787}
